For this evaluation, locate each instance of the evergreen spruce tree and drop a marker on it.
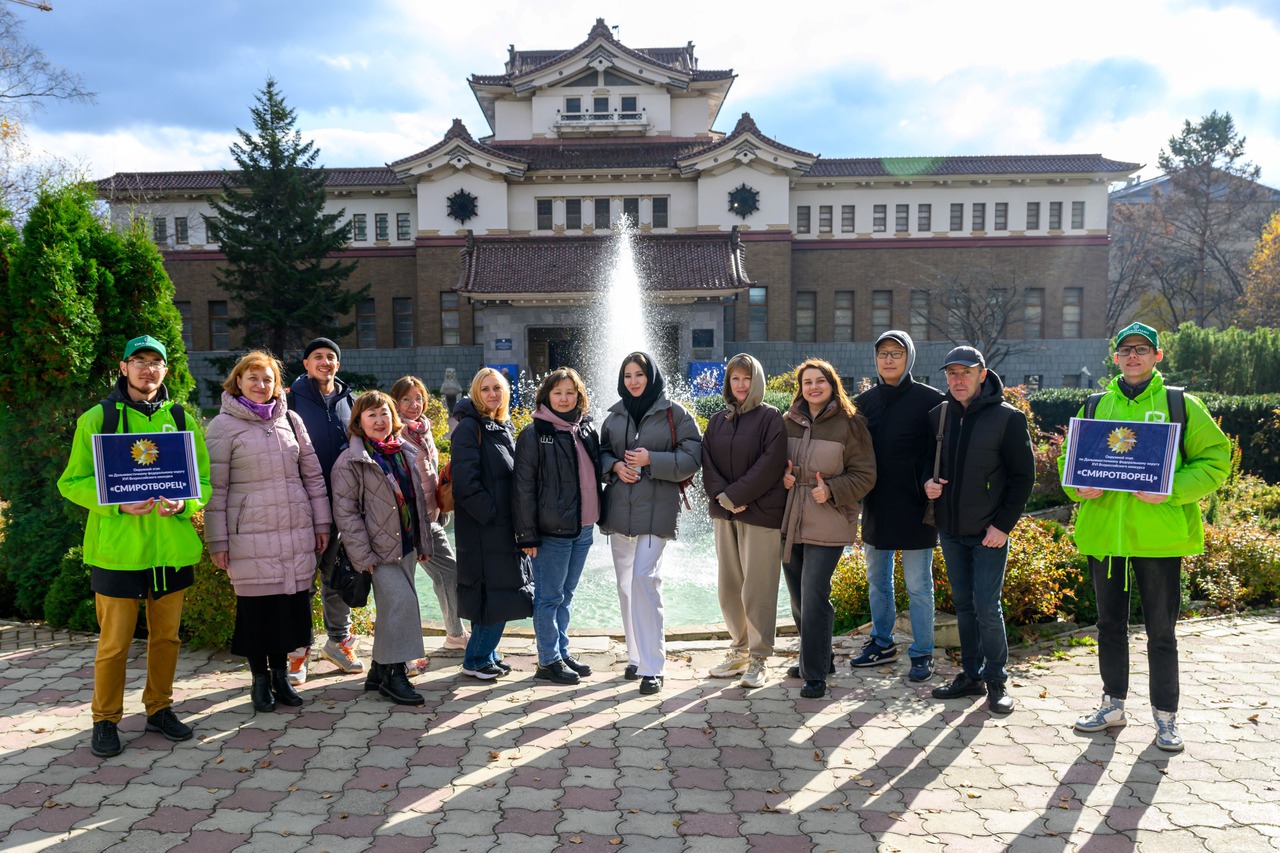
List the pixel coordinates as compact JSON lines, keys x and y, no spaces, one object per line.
{"x":272,"y":226}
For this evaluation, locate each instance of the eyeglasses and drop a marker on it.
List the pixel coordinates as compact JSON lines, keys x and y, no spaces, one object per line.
{"x":1125,"y":352}
{"x":146,"y":364}
{"x":891,"y":355}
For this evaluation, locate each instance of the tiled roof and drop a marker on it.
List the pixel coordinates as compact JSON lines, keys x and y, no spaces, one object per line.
{"x":665,"y":263}
{"x":620,"y":153}
{"x":457,"y":131}
{"x":746,"y":124}
{"x":1143,"y":191}
{"x":1014,"y":164}
{"x":125,"y":182}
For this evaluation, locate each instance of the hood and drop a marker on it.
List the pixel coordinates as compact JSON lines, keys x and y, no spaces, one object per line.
{"x":464,"y":408}
{"x":637,"y":407}
{"x":755,"y":396}
{"x":232,"y":406}
{"x":991,"y":393}
{"x":120,"y":394}
{"x":904,"y":339}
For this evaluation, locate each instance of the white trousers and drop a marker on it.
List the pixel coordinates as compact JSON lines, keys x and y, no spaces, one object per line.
{"x":637,"y":561}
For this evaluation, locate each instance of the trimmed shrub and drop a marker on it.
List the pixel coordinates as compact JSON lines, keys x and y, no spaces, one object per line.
{"x":70,"y":601}
{"x":209,"y":605}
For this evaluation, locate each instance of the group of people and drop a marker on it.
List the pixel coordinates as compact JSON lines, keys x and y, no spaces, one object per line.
{"x":312,"y":477}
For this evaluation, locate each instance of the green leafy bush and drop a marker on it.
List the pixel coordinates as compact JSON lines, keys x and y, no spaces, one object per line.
{"x":209,"y":604}
{"x":70,"y":601}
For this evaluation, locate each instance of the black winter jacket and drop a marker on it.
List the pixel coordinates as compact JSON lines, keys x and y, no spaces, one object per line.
{"x":987,"y":461}
{"x":548,"y":491}
{"x":495,"y":579}
{"x":898,"y":420}
{"x":326,"y":422}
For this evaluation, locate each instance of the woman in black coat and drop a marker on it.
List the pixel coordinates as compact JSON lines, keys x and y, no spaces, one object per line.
{"x":495,"y":581}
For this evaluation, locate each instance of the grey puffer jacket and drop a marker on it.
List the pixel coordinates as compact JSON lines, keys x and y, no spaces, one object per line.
{"x":651,"y":505}
{"x":364,"y":507}
{"x":268,"y":500}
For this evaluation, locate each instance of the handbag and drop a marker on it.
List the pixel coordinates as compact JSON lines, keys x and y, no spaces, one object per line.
{"x":353,"y":586}
{"x":930,"y":517}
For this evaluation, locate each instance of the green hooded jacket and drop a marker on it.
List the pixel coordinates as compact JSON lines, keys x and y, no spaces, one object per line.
{"x":119,"y":541}
{"x":1117,"y":524}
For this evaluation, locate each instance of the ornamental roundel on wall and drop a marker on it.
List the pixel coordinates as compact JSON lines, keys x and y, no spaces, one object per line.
{"x":744,"y":201}
{"x":462,"y":206}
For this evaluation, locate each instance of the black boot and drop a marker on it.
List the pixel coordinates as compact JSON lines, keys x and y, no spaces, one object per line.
{"x":373,"y":680}
{"x":260,"y":693}
{"x":283,"y":690}
{"x":396,"y":687}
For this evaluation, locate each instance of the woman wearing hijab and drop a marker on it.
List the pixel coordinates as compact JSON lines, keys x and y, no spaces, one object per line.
{"x":647,"y":447}
{"x":744,"y":454}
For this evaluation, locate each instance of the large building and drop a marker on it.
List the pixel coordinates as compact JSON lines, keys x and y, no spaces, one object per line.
{"x":487,"y":248}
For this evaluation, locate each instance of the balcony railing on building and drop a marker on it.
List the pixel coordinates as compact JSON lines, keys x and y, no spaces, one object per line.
{"x":613,"y":122}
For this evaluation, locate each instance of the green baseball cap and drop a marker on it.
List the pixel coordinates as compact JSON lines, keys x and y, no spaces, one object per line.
{"x":145,"y":342}
{"x":1141,"y":329}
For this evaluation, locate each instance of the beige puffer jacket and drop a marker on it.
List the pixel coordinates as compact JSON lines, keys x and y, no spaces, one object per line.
{"x":268,"y":501}
{"x":364,"y":507}
{"x":839,"y":447}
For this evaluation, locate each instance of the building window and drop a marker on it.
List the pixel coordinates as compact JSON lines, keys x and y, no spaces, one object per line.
{"x":359,"y":227}
{"x":824,"y":219}
{"x":920,"y":315}
{"x":1072,"y":303}
{"x":211,"y":229}
{"x":802,"y":219}
{"x":1033,"y":216}
{"x":843,"y":316}
{"x":730,"y":322}
{"x":184,"y":311}
{"x":631,"y":210}
{"x":846,"y":218}
{"x":758,"y":314}
{"x":573,"y":214}
{"x":180,"y":229}
{"x":924,"y":217}
{"x":600,"y":106}
{"x":806,"y":316}
{"x":402,"y":320}
{"x":381,"y":227}
{"x":979,"y":216}
{"x":882,"y":309}
{"x":602,"y":213}
{"x":449,"y":325}
{"x":1002,"y":216}
{"x":366,"y":325}
{"x":544,"y":214}
{"x":1077,"y":214}
{"x":1055,"y":216}
{"x":1033,"y":314}
{"x":1071,"y":380}
{"x":629,"y":107}
{"x":477,"y":323}
{"x":902,"y":218}
{"x":219,"y":337}
{"x":160,"y":229}
{"x":402,"y":227}
{"x":572,"y":109}
{"x":957,"y":216}
{"x":879,"y":218}
{"x":660,"y":213}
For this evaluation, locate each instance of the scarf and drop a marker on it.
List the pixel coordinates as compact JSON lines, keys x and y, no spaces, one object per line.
{"x":418,"y":433}
{"x":587,"y":477}
{"x":392,"y":462}
{"x":266,"y":411}
{"x":638,"y":407}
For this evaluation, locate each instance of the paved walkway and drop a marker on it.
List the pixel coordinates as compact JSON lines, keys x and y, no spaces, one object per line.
{"x":514,"y":765}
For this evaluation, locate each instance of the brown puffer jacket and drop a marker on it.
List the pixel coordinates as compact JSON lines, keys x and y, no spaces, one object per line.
{"x":840,"y":448}
{"x":364,"y":507}
{"x":268,"y":501}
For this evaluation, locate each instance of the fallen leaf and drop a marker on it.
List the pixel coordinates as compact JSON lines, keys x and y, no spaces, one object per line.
{"x":656,"y":767}
{"x":1062,"y":806}
{"x":264,"y":765}
{"x":326,"y":796}
{"x":830,"y":808}
{"x":293,"y":788}
{"x":866,"y":783}
{"x":575,"y":839}
{"x":218,"y":760}
{"x":677,"y":823}
{"x":48,"y":804}
{"x":773,"y":791}
{"x":277,"y":752}
{"x":384,"y":784}
{"x":895,"y":816}
{"x":212,"y":790}
{"x":708,"y":730}
{"x":973,"y":795}
{"x":342,"y":816}
{"x":584,"y":742}
{"x":615,"y":840}
{"x":817,"y":756}
{"x":1253,"y":719}
{"x":494,"y":755}
{"x":633,"y":811}
{"x":1044,"y":694}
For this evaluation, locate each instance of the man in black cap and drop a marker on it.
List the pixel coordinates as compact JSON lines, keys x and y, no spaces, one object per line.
{"x":988,"y":471}
{"x":323,"y":401}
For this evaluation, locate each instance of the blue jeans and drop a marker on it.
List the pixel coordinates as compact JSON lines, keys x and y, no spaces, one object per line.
{"x":917,"y":571}
{"x":977,"y":579}
{"x":556,"y":572}
{"x":482,"y":648}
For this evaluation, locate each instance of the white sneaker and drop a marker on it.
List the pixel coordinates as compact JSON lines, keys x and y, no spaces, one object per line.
{"x":343,"y":655}
{"x":458,"y":643}
{"x":298,"y":665}
{"x":1110,"y":714}
{"x":733,"y":665}
{"x":1167,"y":737}
{"x":754,"y":676}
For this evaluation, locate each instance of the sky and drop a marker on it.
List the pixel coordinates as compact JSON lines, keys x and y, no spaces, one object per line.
{"x":376,"y":81}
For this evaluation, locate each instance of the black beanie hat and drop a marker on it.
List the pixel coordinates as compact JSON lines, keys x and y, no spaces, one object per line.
{"x":320,"y":343}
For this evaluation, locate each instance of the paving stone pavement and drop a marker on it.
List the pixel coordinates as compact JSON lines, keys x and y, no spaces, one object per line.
{"x":705,"y":766}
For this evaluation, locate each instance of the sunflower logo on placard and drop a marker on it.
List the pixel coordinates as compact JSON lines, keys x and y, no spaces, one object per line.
{"x":1122,"y":440}
{"x":144,"y":452}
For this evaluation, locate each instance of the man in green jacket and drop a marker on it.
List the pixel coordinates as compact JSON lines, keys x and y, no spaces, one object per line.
{"x":1145,"y":534}
{"x":142,"y":551}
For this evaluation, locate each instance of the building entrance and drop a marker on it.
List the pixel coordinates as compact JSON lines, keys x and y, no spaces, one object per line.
{"x":553,"y":347}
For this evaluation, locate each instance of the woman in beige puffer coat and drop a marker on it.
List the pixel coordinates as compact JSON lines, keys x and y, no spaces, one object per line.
{"x":267,"y":519}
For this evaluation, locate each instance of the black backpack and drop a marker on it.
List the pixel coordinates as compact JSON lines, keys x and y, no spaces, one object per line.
{"x":111,"y":417}
{"x":1177,"y":411}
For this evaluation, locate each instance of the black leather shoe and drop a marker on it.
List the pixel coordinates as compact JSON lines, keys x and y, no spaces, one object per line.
{"x":555,"y":672}
{"x":631,"y":673}
{"x":260,"y":693}
{"x":577,"y":666}
{"x":793,"y":671}
{"x":164,"y":722}
{"x":396,"y":687}
{"x":283,"y":690}
{"x":650,"y":684}
{"x":373,"y":680}
{"x":998,"y":699}
{"x":961,"y":685}
{"x":813,"y":689}
{"x":106,"y":740}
